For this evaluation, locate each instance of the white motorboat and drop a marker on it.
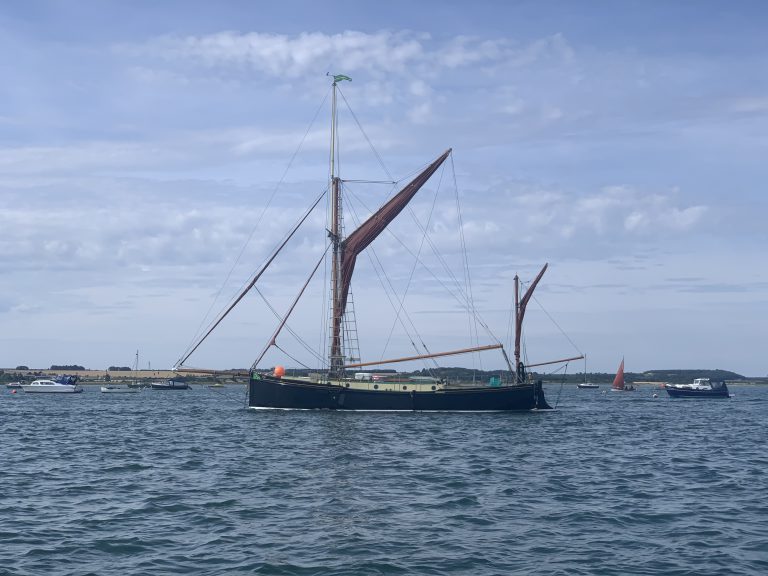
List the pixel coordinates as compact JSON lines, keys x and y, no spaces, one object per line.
{"x":58,"y":385}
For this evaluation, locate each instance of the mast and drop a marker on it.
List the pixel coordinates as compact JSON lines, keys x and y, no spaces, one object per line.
{"x":517,"y":328}
{"x":520,"y":305}
{"x":346,"y":250}
{"x":336,"y":357}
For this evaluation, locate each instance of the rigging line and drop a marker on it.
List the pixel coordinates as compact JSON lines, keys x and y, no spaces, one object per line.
{"x":458,"y":294}
{"x":461,"y":298}
{"x":389,"y":290}
{"x":401,"y":299}
{"x":360,"y":127}
{"x":391,"y":182}
{"x":391,"y":293}
{"x":434,"y":250}
{"x":465,"y":300}
{"x":290,"y":330}
{"x":558,"y":326}
{"x":258,"y":220}
{"x":284,"y":320}
{"x":253,"y":281}
{"x":379,"y":269}
{"x":467,"y":276}
{"x":562,"y":385}
{"x":292,"y":358}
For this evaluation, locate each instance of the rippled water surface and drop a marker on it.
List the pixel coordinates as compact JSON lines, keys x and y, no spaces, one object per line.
{"x":190,"y":482}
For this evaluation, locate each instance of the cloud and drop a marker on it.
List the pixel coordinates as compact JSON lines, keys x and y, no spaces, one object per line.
{"x":517,"y":222}
{"x":638,"y":211}
{"x":400,"y":53}
{"x":284,"y":56}
{"x":750,"y":105}
{"x":393,"y":67}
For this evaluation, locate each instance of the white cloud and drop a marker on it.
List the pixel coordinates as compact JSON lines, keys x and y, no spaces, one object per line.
{"x":420,"y":114}
{"x":554,"y":221}
{"x":750,"y":105}
{"x":278,"y":55}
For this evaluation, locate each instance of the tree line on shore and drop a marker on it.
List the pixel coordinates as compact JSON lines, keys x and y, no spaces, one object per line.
{"x":673,"y":376}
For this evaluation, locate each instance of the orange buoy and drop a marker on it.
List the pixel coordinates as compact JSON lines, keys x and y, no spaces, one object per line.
{"x":279,"y":371}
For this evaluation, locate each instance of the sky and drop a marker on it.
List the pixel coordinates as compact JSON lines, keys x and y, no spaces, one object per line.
{"x":153,"y":154}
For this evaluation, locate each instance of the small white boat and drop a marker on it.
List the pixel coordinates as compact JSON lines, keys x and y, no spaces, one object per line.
{"x":586,"y":384}
{"x":59,"y":385}
{"x":119,"y":389}
{"x":170,"y":385}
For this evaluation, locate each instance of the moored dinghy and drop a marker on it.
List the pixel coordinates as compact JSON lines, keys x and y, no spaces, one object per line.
{"x":170,"y":385}
{"x":114,"y":388}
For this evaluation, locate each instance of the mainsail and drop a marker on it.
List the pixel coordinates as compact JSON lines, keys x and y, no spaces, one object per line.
{"x":618,"y":381}
{"x":358,"y":241}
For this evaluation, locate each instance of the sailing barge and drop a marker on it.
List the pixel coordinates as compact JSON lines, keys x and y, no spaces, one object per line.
{"x":334,"y":387}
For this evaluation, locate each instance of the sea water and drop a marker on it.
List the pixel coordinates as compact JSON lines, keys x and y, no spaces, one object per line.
{"x":191,"y":482}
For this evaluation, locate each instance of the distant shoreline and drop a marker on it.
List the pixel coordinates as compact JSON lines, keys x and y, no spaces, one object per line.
{"x":101,"y":377}
{"x":460,"y":375}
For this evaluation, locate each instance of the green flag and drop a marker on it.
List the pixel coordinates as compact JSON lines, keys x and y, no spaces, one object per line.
{"x":340,"y":77}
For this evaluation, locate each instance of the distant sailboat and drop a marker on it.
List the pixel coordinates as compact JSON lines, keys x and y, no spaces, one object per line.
{"x":586,"y":384}
{"x":118,"y":388}
{"x":618,"y":382}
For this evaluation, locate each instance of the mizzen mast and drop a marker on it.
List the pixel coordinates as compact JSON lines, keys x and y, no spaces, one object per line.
{"x":520,"y":305}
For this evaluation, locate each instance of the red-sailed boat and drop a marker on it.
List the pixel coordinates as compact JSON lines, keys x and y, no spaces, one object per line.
{"x":618,"y":381}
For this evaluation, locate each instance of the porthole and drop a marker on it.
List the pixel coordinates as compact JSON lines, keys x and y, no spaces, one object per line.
{"x":375,"y":386}
{"x":347,"y":384}
{"x":434,"y":387}
{"x":405,"y":387}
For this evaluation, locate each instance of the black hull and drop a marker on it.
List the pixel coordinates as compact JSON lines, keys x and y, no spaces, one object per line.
{"x":164,"y":387}
{"x":270,"y":392}
{"x":678,"y":393}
